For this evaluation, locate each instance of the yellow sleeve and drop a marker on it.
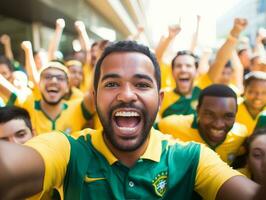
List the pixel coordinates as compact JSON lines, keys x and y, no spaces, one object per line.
{"x":55,"y":151}
{"x":212,"y":173}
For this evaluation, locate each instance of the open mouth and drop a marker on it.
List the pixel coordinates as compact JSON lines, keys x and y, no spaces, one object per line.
{"x":52,"y":91}
{"x":127,"y":122}
{"x":217,"y":135}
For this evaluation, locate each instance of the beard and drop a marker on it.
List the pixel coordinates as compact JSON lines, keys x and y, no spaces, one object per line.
{"x":108,"y":130}
{"x":52,"y":103}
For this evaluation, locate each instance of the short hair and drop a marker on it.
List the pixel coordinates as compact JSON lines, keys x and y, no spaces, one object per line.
{"x":9,"y":113}
{"x":217,"y":90}
{"x":183,"y":53}
{"x":255,"y":75}
{"x":5,"y":61}
{"x":127,"y":46}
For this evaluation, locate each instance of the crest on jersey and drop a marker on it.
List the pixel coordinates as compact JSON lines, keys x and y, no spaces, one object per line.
{"x":160,"y":183}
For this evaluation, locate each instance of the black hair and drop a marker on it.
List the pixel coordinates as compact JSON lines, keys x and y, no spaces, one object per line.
{"x":217,"y":90}
{"x":186,"y":52}
{"x":127,"y":46}
{"x":5,"y":61}
{"x":8,"y":113}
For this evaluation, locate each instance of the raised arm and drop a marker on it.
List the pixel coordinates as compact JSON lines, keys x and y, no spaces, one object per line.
{"x":259,"y":47}
{"x":30,"y":65}
{"x":22,"y":171}
{"x":136,"y":36}
{"x":194,"y":41}
{"x":5,"y":40}
{"x":225,"y":52}
{"x":165,"y":41}
{"x":238,"y":71}
{"x":54,"y":43}
{"x":204,"y":66}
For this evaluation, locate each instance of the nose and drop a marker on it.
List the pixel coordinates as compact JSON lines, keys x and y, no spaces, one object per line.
{"x":127,"y":94}
{"x":219,"y":123}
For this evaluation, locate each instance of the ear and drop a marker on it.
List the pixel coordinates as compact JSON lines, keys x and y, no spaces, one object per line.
{"x":161,"y":96}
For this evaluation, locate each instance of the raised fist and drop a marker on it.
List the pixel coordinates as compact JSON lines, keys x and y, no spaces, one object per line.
{"x":26,"y":45}
{"x":5,"y":39}
{"x":80,"y":26}
{"x":60,"y":23}
{"x":239,"y":25}
{"x":173,"y":30}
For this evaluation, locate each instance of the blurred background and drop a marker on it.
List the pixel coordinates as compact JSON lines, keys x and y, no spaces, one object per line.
{"x":34,"y":20}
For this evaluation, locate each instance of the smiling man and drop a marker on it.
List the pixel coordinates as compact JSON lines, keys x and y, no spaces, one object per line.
{"x":51,"y":112}
{"x":127,"y":159}
{"x":214,"y":124}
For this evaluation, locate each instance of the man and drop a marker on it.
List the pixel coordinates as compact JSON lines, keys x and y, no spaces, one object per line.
{"x":51,"y":112}
{"x":183,"y":98}
{"x":15,"y":125}
{"x":128,"y":159}
{"x":254,"y":101}
{"x":214,"y":124}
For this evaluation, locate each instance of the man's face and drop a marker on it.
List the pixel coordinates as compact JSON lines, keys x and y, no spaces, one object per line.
{"x":255,"y":94}
{"x":127,"y":99}
{"x":5,"y":71}
{"x":216,"y":116}
{"x":53,"y":85}
{"x":75,"y":76}
{"x":245,"y":58}
{"x":256,"y":158}
{"x":15,"y":131}
{"x":184,"y":72}
{"x":94,"y":54}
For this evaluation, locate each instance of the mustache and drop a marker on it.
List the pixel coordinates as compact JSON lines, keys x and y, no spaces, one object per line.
{"x":126,"y":105}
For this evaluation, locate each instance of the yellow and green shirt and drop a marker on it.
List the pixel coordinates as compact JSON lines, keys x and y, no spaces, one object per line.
{"x":166,"y":76}
{"x":244,"y":117}
{"x":174,"y":103}
{"x":72,"y":118}
{"x":168,"y":169}
{"x":185,"y":127}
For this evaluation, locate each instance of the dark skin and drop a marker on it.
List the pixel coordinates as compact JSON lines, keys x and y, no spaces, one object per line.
{"x":22,"y":168}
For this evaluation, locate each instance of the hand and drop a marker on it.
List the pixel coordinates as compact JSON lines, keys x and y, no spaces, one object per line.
{"x":173,"y":30}
{"x":239,"y":25}
{"x":60,"y":23}
{"x":80,"y":26}
{"x":5,"y":39}
{"x":26,"y":45}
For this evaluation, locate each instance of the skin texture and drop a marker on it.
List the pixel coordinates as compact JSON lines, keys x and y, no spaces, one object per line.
{"x":256,"y":158}
{"x":216,"y":116}
{"x":75,"y":76}
{"x":15,"y":131}
{"x":60,"y":87}
{"x":184,"y":68}
{"x":127,"y":89}
{"x":255,"y":96}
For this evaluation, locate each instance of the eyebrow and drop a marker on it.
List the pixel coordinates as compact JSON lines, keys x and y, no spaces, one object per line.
{"x":138,"y":76}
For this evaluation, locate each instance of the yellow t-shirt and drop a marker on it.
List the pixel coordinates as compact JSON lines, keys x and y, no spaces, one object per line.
{"x":75,"y":94}
{"x":72,"y":118}
{"x":245,"y":118}
{"x":185,"y":128}
{"x":166,"y":76}
{"x":55,"y":150}
{"x":88,"y":73}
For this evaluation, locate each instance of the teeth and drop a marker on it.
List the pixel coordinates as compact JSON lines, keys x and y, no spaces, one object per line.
{"x":126,"y":128}
{"x":126,"y":114}
{"x":216,"y":131}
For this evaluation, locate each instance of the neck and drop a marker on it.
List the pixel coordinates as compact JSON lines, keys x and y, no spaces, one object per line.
{"x":51,"y":110}
{"x":253,"y":111}
{"x":128,"y":158}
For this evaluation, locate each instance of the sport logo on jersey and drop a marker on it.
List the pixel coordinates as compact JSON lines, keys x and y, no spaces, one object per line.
{"x":160,"y":183}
